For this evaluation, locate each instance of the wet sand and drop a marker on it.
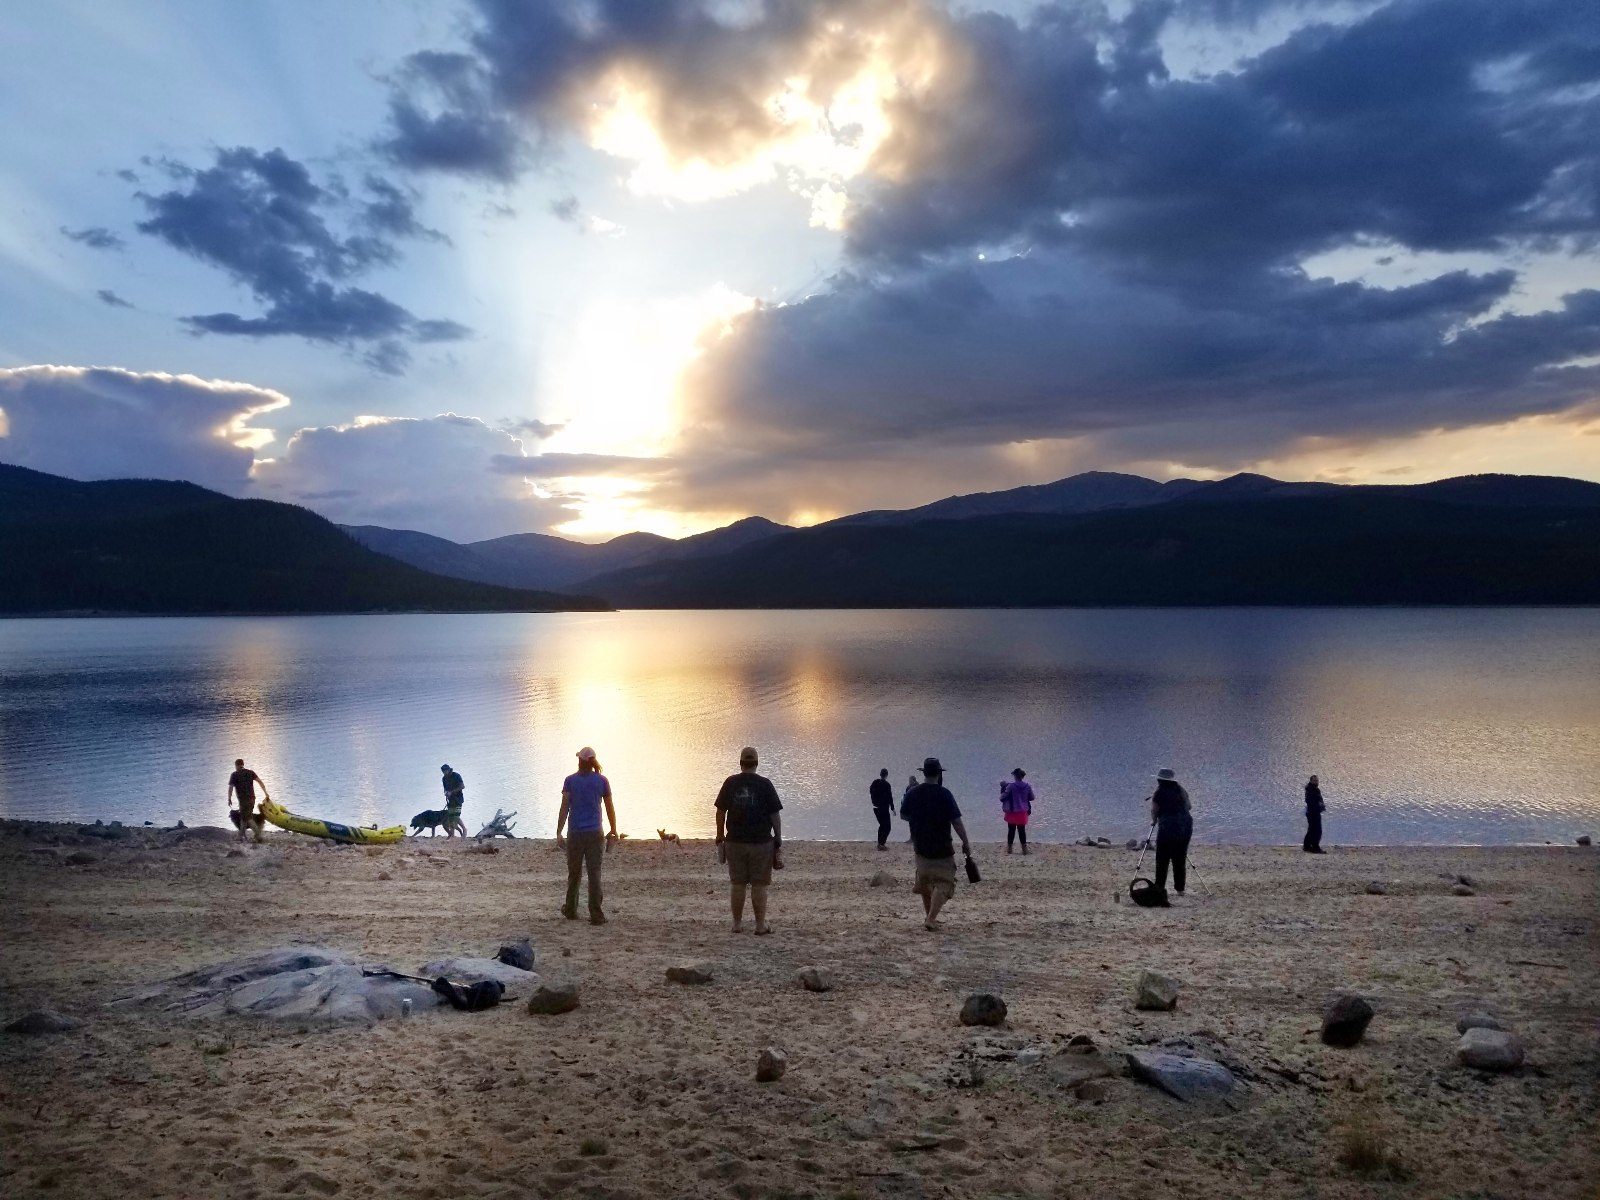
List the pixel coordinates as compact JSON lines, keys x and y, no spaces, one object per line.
{"x":648,"y":1088}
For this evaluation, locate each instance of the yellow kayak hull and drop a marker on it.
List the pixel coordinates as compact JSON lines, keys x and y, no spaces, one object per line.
{"x":332,"y":830}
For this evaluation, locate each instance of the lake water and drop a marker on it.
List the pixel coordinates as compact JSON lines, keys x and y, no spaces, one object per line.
{"x":1474,"y":726}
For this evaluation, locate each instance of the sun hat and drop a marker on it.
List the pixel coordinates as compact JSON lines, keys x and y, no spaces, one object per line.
{"x":932,"y":766}
{"x":1167,"y":773}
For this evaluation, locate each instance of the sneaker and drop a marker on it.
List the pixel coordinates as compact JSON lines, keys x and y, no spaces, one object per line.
{"x":597,"y":917}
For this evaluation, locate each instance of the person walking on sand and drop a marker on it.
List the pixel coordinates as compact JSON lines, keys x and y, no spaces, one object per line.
{"x":882,"y":806}
{"x":455,"y":789}
{"x":1314,"y":810}
{"x":582,"y":794}
{"x":1016,"y":802}
{"x":242,"y":785}
{"x":1170,"y":814}
{"x":749,"y":837}
{"x":931,"y":811}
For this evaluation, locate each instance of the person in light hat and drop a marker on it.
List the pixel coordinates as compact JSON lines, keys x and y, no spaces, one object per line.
{"x":1170,"y":814}
{"x":582,"y":794}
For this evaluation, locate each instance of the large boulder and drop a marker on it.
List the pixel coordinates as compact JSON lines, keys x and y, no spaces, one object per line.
{"x":1479,"y":1019}
{"x":310,"y":984}
{"x":1155,"y":992}
{"x":42,"y":1021}
{"x":552,"y":999}
{"x":467,"y":969}
{"x":1490,"y":1050}
{"x":1345,"y":1019}
{"x":1192,"y":1080}
{"x":771,"y":1064}
{"x":815,"y":979}
{"x":689,"y":973}
{"x":983,"y":1008}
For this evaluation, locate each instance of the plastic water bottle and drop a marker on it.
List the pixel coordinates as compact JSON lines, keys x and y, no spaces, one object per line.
{"x":405,"y":1007}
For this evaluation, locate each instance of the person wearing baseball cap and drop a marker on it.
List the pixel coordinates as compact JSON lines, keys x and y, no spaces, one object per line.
{"x":582,"y":794}
{"x":749,"y":837}
{"x":931,"y":811}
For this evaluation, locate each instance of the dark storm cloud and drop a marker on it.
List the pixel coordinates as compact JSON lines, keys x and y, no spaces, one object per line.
{"x":264,"y":220}
{"x":95,"y":237}
{"x":443,"y":117}
{"x":110,"y":298}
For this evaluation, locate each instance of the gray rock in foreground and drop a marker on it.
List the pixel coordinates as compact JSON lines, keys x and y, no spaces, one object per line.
{"x":815,"y":979}
{"x":42,"y":1021}
{"x":517,"y":954}
{"x":983,"y":1008}
{"x":771,"y":1065}
{"x":1480,"y":1019}
{"x":1345,"y":1020}
{"x":294,"y":983}
{"x":552,"y":999}
{"x":467,"y":969}
{"x":1155,"y":992}
{"x":1376,"y":888}
{"x":1192,"y":1080}
{"x":690,"y":973}
{"x":1490,"y":1050}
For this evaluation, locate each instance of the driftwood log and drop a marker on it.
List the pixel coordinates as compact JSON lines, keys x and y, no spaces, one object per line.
{"x":500,"y":826}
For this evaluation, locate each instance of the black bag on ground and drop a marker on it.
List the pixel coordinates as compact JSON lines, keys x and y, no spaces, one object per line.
{"x":972,"y":871}
{"x":474,"y":997}
{"x":1146,"y":894}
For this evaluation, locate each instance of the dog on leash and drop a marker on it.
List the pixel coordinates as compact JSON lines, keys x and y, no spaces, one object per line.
{"x":673,"y":838}
{"x":435,"y":819}
{"x":256,"y":823}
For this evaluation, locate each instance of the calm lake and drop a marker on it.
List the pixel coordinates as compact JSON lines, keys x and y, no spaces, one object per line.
{"x":1471,"y":726}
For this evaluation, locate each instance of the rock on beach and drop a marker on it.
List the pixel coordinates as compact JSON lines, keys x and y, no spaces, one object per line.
{"x":1490,"y":1050}
{"x":983,"y":1008}
{"x":1345,"y":1020}
{"x":1154,"y":992}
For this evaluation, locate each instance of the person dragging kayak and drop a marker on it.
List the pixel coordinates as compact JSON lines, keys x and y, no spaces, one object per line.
{"x":882,"y":795}
{"x":1174,"y":822}
{"x":749,"y":837}
{"x":1016,"y":803}
{"x":582,"y":794}
{"x":242,"y":786}
{"x":931,"y":811}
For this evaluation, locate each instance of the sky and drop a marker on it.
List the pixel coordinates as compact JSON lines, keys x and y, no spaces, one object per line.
{"x":587,"y":267}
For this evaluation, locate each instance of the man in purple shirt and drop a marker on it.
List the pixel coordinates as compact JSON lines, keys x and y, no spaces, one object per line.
{"x":581,"y":797}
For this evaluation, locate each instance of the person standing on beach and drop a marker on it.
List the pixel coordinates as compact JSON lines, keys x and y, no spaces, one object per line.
{"x":582,"y":794}
{"x":750,"y":837}
{"x":882,"y":805}
{"x":242,"y":785}
{"x":1016,"y":802}
{"x":1314,"y":810}
{"x":931,"y":811}
{"x":1170,"y":814}
{"x":455,"y":789}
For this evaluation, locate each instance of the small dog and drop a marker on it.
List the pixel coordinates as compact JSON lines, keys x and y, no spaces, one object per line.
{"x":257,"y":822}
{"x":434,"y":819}
{"x":670,"y":837}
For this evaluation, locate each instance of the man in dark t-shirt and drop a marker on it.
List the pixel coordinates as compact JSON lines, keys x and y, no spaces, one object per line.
{"x":882,"y":805}
{"x":242,"y":784}
{"x":931,"y":811}
{"x":749,"y":837}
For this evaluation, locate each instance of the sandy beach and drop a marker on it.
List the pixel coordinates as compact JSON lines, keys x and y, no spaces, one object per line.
{"x":648,"y":1088}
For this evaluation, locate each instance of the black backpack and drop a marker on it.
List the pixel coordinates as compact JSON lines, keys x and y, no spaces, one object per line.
{"x":474,"y":997}
{"x":1146,"y":894}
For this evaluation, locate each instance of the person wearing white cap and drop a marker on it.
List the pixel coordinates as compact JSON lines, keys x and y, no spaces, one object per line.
{"x":1170,"y":814}
{"x":584,"y":791}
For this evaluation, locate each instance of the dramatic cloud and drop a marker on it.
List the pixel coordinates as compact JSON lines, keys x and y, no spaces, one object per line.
{"x":437,"y":474}
{"x":262,"y":219}
{"x":575,"y":466}
{"x":95,"y":237}
{"x":107,"y":423}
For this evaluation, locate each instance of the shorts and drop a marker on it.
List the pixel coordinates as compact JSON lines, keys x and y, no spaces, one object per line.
{"x":935,"y":875}
{"x":749,"y":862}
